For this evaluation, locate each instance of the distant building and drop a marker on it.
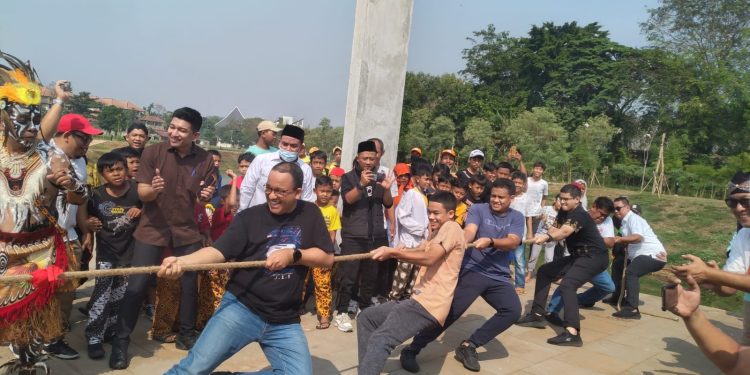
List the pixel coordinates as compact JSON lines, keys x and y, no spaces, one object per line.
{"x":234,"y":116}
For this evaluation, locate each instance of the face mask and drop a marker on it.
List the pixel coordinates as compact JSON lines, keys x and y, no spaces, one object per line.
{"x":288,"y":156}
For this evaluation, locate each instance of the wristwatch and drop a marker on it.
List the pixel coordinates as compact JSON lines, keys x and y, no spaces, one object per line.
{"x":296,"y":256}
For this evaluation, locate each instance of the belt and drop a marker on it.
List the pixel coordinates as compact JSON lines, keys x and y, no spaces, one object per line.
{"x":583,"y":251}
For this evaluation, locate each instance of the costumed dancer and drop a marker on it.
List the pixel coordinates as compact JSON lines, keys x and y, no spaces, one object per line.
{"x":31,"y":177}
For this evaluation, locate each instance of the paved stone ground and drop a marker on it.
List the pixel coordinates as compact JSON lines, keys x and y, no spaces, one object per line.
{"x":656,"y":344}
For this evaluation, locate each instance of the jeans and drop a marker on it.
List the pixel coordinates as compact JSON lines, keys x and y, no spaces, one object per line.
{"x":603,"y":285}
{"x":471,"y":285}
{"x":381,"y":328}
{"x":637,"y":267}
{"x":577,"y":270}
{"x":234,"y":326}
{"x":519,"y":265}
{"x":130,"y":307}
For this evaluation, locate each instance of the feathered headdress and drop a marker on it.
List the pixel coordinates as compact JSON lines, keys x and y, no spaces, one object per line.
{"x":19,"y":82}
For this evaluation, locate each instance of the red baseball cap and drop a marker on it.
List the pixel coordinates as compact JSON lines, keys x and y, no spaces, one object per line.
{"x":75,"y":122}
{"x":338,"y":172}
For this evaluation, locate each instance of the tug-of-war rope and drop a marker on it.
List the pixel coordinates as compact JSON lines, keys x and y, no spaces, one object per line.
{"x":662,"y":275}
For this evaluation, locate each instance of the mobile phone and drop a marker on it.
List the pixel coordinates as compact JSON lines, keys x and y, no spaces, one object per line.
{"x":380,"y":177}
{"x":668,"y":297}
{"x":66,"y":87}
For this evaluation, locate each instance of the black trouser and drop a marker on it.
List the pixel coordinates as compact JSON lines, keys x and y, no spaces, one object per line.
{"x":366,"y":271}
{"x":471,"y":285}
{"x":639,"y":266}
{"x":577,"y":270}
{"x":149,"y":255}
{"x":386,"y":272}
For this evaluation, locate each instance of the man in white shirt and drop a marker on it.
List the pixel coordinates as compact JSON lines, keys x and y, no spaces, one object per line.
{"x":522,"y":204}
{"x":646,"y":254}
{"x":74,"y":134}
{"x":252,"y":190}
{"x":538,"y":190}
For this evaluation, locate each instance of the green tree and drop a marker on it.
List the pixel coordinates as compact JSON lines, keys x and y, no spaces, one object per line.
{"x":82,"y":104}
{"x":539,"y":136}
{"x":442,"y":134}
{"x":115,"y":120}
{"x":590,"y":145}
{"x":478,"y":134}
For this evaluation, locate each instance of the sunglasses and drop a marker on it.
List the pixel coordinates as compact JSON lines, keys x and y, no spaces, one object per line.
{"x":732,"y":202}
{"x":619,"y":208}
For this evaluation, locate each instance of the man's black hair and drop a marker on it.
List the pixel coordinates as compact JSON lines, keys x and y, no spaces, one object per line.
{"x":445,"y":198}
{"x":518,"y":175}
{"x":248,"y":157}
{"x":489,"y":166}
{"x":478,"y":179}
{"x":291,"y":168}
{"x":540,"y":163}
{"x":127,"y":152}
{"x":323,"y":181}
{"x":459,"y":183}
{"x":443,"y":179}
{"x":604,"y":203}
{"x":421,"y":169}
{"x":335,"y":193}
{"x":137,"y":126}
{"x":623,"y":199}
{"x":319,"y":154}
{"x":224,"y":191}
{"x":506,"y":184}
{"x":505,"y":165}
{"x":215,"y":152}
{"x":571,"y":189}
{"x":442,"y":169}
{"x":109,"y":160}
{"x":191,"y":116}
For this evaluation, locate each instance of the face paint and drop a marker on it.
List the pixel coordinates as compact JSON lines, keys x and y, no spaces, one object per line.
{"x":25,"y":119}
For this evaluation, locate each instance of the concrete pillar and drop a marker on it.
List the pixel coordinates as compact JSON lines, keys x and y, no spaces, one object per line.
{"x":376,"y":76}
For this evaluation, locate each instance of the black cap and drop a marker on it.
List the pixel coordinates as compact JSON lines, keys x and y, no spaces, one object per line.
{"x":366,"y":146}
{"x":294,"y":132}
{"x":740,"y":183}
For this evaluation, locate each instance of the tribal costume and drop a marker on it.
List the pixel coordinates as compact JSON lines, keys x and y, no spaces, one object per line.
{"x":30,"y":241}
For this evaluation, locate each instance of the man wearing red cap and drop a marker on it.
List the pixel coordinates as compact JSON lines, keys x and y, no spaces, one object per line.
{"x":72,"y":140}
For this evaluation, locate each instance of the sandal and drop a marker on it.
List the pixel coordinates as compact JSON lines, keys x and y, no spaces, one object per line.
{"x":323,"y":325}
{"x":166,"y":338}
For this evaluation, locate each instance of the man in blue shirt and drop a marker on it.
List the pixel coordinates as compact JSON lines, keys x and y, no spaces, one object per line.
{"x":496,"y":230}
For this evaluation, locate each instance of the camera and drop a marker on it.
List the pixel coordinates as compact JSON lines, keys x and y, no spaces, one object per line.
{"x":66,"y":87}
{"x":380,"y":177}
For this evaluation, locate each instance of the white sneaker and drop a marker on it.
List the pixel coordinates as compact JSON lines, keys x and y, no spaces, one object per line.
{"x":343,"y":323}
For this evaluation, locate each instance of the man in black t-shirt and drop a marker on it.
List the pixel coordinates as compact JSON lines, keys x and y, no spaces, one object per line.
{"x":588,"y":257}
{"x":262,"y":304}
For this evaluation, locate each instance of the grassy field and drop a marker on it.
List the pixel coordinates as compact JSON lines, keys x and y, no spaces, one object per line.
{"x":686,"y":225}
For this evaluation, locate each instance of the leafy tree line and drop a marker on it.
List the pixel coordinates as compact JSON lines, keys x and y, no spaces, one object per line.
{"x":591,"y":107}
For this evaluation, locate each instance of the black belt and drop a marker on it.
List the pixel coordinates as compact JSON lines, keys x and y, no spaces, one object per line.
{"x":583,"y":251}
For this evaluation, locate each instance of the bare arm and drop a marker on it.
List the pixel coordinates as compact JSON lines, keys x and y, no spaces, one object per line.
{"x":718,"y":347}
{"x":609,"y":242}
{"x":507,"y":243}
{"x":146,"y":193}
{"x":633,"y":238}
{"x":422,"y":255}
{"x":48,"y":125}
{"x":727,"y":283}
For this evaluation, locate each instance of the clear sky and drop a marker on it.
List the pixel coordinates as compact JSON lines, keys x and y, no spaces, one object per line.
{"x":269,"y":58}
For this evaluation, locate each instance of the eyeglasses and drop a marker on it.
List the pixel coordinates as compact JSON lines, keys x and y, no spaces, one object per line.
{"x":279,"y":192}
{"x":732,"y":202}
{"x":565,"y":199}
{"x":84,"y":137}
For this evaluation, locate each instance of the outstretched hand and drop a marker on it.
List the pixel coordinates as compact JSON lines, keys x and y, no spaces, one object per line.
{"x":696,"y":268}
{"x":688,"y":300}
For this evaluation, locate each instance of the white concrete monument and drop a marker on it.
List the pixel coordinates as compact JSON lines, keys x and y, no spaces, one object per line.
{"x":376,"y":76}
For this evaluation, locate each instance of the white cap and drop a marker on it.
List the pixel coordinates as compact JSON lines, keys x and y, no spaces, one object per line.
{"x":476,"y":154}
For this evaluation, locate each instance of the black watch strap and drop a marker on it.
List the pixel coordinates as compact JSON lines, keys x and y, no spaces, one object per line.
{"x":296,"y":256}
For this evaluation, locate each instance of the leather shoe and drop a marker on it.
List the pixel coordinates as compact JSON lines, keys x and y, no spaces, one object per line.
{"x":118,"y":360}
{"x":185,"y":341}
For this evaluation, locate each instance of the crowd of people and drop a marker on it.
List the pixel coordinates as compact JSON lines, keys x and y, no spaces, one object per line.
{"x":439,"y":238}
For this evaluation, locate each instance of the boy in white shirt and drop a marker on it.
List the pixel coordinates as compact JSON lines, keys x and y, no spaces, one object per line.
{"x":411,"y":228}
{"x":522,"y":204}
